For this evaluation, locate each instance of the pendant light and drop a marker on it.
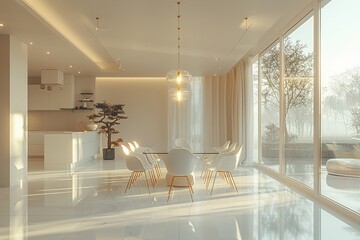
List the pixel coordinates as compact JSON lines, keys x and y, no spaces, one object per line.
{"x":178,"y":79}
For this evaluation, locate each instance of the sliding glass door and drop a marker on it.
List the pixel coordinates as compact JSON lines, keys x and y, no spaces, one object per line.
{"x":340,"y":89}
{"x":298,"y":104}
{"x":270,"y":105}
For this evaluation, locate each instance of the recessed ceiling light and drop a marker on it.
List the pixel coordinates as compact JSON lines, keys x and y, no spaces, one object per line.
{"x":79,"y":72}
{"x":70,"y":66}
{"x":1,"y":24}
{"x":48,"y":52}
{"x":31,"y":43}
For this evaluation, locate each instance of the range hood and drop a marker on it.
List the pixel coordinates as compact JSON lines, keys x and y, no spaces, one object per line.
{"x":52,"y":77}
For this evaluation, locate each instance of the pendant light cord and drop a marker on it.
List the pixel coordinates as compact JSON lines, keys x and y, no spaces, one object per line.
{"x":178,"y":30}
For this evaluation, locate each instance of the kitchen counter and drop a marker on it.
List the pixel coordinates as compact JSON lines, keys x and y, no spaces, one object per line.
{"x":65,"y":150}
{"x":36,"y":141}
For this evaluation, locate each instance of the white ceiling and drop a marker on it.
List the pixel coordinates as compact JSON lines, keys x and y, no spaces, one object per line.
{"x":141,"y":35}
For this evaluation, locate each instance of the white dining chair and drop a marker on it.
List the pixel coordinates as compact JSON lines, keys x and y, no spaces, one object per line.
{"x":134,"y":164}
{"x":182,"y":143}
{"x":153,"y":159}
{"x":220,"y":149}
{"x":180,"y":164}
{"x":224,"y":165}
{"x":208,"y":161}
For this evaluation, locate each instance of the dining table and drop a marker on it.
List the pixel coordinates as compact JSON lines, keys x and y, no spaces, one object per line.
{"x":181,"y":182}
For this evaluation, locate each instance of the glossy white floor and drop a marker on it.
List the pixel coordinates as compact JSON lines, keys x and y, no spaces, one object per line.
{"x":91,"y":204}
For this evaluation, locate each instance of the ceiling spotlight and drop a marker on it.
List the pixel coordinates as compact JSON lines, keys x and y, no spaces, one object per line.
{"x":70,"y":66}
{"x":79,"y":72}
{"x":97,"y":24}
{"x":1,"y":24}
{"x":31,"y":43}
{"x":47,"y":52}
{"x":121,"y":67}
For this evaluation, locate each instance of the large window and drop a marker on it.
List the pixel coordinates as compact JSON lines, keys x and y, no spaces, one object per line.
{"x":270,"y":102}
{"x":255,"y":83}
{"x":298,"y":110}
{"x":340,"y":86}
{"x":309,"y":109}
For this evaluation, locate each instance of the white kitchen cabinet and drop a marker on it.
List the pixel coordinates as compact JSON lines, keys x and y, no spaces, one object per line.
{"x":53,"y":98}
{"x":36,"y":143}
{"x":43,"y":99}
{"x":67,"y":93}
{"x":59,"y":97}
{"x":36,"y":97}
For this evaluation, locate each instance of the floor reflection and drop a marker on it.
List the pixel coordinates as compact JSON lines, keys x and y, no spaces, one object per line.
{"x":91,"y":204}
{"x":344,"y":190}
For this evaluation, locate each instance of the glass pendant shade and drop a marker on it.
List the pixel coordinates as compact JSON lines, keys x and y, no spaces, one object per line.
{"x":178,"y":76}
{"x":179,"y":94}
{"x":178,"y":84}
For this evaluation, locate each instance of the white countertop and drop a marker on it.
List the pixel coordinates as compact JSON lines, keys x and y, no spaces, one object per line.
{"x":57,"y":132}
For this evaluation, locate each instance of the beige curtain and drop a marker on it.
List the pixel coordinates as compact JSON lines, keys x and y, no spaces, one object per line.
{"x":225,"y":108}
{"x":185,"y":118}
{"x":215,"y":132}
{"x":216,"y":111}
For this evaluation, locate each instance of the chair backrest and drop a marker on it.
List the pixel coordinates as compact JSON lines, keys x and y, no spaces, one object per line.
{"x":182,"y":143}
{"x":180,"y":162}
{"x":223,"y":147}
{"x":136,"y":144}
{"x":238,"y":154}
{"x":132,"y":147}
{"x":132,"y":162}
{"x":231,"y":160}
{"x":226,"y":144}
{"x":230,"y":149}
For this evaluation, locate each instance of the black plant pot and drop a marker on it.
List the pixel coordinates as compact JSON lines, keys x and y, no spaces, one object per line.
{"x":108,"y":153}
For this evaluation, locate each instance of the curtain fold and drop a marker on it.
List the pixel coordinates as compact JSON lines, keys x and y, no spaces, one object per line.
{"x":249,"y":113}
{"x":219,"y":109}
{"x":185,"y":118}
{"x":228,"y":116}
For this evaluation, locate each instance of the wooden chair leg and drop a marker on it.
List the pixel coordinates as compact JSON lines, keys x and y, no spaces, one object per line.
{"x":213,"y":183}
{"x":128,"y":184}
{"x":158,"y":169}
{"x":203,"y":170}
{"x":172,"y":181}
{"x":226,"y":178}
{"x":208,"y":180}
{"x":153,"y":178}
{"x":233,"y":181}
{"x":135,"y":177}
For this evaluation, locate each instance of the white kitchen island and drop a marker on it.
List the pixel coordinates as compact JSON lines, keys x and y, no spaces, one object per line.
{"x":69,"y":150}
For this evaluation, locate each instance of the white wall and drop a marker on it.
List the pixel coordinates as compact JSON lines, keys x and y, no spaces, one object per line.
{"x":146,"y":106}
{"x":13,"y":121}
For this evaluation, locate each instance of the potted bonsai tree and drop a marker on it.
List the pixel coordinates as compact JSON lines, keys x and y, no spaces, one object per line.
{"x":108,"y":116}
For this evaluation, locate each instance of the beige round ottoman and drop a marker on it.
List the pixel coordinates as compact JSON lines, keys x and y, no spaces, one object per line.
{"x":349,"y":167}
